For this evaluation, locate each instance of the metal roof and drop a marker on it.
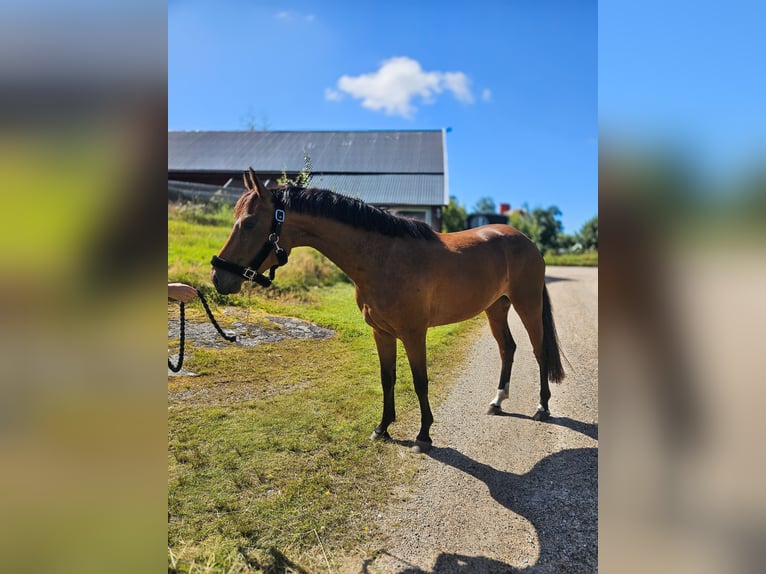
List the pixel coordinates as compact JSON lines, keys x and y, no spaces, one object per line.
{"x":347,"y":152}
{"x":387,"y":189}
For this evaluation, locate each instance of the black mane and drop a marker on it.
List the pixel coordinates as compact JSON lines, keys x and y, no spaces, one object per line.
{"x":354,"y":212}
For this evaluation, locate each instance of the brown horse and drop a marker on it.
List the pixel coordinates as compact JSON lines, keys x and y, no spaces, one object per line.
{"x":408,"y":278}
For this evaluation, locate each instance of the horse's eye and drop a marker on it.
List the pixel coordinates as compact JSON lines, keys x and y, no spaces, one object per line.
{"x":249,"y":223}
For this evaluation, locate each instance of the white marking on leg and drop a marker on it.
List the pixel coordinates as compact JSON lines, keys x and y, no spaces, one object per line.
{"x":502,"y":394}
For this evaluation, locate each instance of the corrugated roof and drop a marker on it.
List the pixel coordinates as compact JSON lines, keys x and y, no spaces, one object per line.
{"x":341,"y":152}
{"x":386,"y":189}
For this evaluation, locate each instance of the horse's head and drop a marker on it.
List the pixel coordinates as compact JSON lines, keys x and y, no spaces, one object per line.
{"x":254,"y":216}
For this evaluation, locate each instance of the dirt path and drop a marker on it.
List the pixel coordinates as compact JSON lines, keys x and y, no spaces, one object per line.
{"x":506,"y":493}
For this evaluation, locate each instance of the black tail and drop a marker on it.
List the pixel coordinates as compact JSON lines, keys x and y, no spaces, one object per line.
{"x":551,"y":355}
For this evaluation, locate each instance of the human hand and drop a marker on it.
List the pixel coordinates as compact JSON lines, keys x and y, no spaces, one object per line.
{"x":181,"y":292}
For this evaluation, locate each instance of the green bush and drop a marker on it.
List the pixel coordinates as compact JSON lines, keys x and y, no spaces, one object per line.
{"x":214,"y":212}
{"x":586,"y":259}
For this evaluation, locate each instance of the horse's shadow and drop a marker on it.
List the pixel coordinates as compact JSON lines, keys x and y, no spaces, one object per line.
{"x":455,"y":564}
{"x":554,"y":279}
{"x":588,"y":429}
{"x":558,"y":496}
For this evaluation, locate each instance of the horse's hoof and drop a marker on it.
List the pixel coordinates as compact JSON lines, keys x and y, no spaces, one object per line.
{"x":541,"y":415}
{"x":494,"y":410}
{"x":421,"y":447}
{"x":380,"y":436}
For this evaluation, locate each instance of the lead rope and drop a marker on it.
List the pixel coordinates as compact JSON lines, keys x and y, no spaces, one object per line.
{"x":230,"y":338}
{"x":249,"y":306}
{"x":171,"y":366}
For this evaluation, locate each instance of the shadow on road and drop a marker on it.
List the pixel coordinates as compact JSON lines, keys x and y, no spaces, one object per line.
{"x":588,"y":429}
{"x":553,"y":279}
{"x":457,"y":563}
{"x":559,"y":496}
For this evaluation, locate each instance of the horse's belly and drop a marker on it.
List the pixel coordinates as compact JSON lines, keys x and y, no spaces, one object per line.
{"x":458,"y":303}
{"x":450,"y":297}
{"x":448,"y":316}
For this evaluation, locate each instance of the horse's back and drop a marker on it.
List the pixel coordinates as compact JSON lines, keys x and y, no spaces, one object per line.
{"x":492,"y":241}
{"x":486,"y":234}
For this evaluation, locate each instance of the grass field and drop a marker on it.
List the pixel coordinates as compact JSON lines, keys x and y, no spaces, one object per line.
{"x":274,"y":465}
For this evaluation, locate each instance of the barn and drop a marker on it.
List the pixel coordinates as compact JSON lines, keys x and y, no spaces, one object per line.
{"x":402,"y":171}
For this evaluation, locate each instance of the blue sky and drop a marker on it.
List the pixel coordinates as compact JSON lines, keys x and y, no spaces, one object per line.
{"x":515,"y":81}
{"x":686,"y":76}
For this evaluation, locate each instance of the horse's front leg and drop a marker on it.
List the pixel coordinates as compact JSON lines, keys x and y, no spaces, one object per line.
{"x":387,"y":354}
{"x":415,"y":345}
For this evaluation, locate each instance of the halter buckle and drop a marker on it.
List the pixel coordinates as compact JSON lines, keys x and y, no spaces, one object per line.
{"x":249,"y":273}
{"x":279,"y":215}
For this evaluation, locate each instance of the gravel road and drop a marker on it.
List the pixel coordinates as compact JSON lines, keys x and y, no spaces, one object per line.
{"x":506,"y":493}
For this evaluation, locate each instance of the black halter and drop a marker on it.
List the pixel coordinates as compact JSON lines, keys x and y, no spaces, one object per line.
{"x":251,"y":273}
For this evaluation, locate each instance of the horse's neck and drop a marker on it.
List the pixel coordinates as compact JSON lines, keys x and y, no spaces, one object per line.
{"x":354,"y":250}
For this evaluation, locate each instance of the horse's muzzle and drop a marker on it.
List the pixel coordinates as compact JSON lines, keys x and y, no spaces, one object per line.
{"x":225,"y":283}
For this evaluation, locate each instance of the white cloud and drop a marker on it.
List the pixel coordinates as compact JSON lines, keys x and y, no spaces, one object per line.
{"x":486,"y":95}
{"x":457,"y":83}
{"x":397,"y":82}
{"x":332,"y":95}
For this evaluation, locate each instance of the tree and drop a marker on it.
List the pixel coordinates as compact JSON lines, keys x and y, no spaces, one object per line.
{"x":304,"y":176}
{"x":542,"y":226}
{"x":453,"y":216}
{"x":567,"y":241}
{"x":251,"y":123}
{"x":485,"y":205}
{"x":548,"y":227}
{"x":588,"y":235}
{"x":524,"y":222}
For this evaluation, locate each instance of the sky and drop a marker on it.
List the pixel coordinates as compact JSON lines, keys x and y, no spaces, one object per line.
{"x":514,"y":82}
{"x":686,"y":76}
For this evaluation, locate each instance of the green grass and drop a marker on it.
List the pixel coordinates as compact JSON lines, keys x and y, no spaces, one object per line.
{"x":190,"y":247}
{"x":256,"y":484}
{"x":589,"y":259}
{"x":205,"y":213}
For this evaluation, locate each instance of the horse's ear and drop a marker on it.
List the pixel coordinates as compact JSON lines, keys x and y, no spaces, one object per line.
{"x":249,"y":180}
{"x":258,"y":184}
{"x":253,"y":184}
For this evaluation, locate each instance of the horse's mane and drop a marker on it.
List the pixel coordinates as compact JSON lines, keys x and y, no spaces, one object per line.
{"x":354,"y":212}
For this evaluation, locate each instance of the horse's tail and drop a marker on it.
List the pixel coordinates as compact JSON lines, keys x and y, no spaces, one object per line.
{"x":551,"y":354}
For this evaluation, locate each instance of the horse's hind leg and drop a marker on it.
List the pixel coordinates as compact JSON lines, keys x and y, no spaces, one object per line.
{"x":415,"y":345}
{"x":497,"y":314}
{"x":531,"y":314}
{"x":387,"y":354}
